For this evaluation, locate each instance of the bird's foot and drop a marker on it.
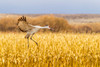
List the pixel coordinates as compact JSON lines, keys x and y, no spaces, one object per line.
{"x":36,"y":43}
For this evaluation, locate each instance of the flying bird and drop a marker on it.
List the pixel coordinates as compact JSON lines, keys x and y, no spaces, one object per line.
{"x":24,"y":26}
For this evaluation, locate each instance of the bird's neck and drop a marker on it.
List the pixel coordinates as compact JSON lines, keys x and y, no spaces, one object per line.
{"x":41,"y":27}
{"x":44,"y":27}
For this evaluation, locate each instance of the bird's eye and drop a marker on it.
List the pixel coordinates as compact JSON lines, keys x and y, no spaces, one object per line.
{"x":49,"y":27}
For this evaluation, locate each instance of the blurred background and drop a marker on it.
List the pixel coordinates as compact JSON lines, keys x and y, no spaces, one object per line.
{"x":78,"y":16}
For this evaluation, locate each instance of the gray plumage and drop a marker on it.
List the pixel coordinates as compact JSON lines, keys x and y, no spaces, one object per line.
{"x":24,"y":26}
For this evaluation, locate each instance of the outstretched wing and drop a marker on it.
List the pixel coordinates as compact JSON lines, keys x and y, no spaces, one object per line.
{"x":23,"y":24}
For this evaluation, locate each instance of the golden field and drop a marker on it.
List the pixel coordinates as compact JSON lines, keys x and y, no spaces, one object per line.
{"x":54,"y":50}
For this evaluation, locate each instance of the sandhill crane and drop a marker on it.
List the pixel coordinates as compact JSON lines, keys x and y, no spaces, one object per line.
{"x":24,"y":26}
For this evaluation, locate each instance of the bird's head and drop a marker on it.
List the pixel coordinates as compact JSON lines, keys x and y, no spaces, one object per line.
{"x":48,"y":27}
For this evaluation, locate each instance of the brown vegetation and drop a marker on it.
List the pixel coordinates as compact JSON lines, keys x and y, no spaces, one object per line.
{"x":86,"y":27}
{"x":59,"y":24}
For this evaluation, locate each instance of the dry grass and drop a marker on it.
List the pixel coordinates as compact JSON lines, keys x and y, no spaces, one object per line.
{"x":86,"y":27}
{"x":54,"y":50}
{"x":8,"y":23}
{"x":59,"y":24}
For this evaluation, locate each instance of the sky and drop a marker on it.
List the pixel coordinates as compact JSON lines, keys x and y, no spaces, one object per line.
{"x":50,"y":6}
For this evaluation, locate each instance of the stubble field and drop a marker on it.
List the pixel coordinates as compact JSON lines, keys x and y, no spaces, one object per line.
{"x":54,"y":50}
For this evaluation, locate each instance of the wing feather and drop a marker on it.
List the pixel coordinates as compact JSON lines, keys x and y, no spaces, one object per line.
{"x":23,"y":25}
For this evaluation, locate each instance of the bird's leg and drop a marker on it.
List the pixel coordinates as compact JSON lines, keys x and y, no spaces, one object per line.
{"x":33,"y":40}
{"x":27,"y":36}
{"x":28,"y":42}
